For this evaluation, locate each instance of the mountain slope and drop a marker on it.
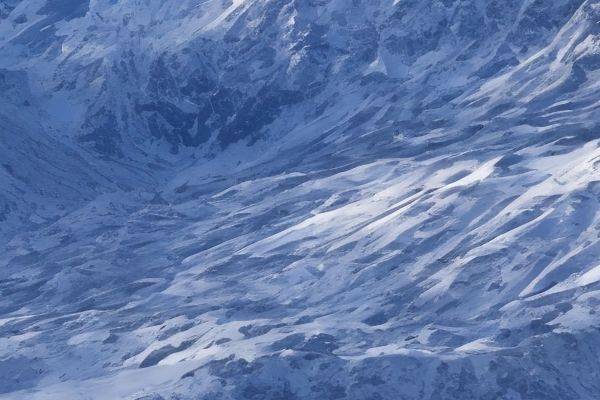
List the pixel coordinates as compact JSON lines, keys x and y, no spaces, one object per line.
{"x":286,"y":199}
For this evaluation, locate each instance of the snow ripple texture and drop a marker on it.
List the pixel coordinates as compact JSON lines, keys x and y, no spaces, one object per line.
{"x":299,"y":199}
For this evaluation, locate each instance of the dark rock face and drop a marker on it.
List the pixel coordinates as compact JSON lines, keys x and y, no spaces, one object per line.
{"x":104,"y":133}
{"x":223,"y":86}
{"x":65,"y":9}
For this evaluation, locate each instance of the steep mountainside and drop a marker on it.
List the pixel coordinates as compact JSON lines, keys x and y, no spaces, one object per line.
{"x":300,"y":199}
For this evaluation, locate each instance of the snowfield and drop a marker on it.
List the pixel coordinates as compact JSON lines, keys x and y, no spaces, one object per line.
{"x":281,"y":199}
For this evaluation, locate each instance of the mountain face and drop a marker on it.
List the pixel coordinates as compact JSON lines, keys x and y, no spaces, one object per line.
{"x":299,"y":199}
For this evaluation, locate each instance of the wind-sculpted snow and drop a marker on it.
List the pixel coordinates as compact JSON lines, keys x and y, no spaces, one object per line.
{"x":279,"y":199}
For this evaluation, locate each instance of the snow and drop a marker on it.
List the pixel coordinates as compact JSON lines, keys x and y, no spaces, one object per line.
{"x":385,"y":204}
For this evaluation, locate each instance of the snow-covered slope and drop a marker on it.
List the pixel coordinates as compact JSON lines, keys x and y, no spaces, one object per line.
{"x":279,"y":199}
